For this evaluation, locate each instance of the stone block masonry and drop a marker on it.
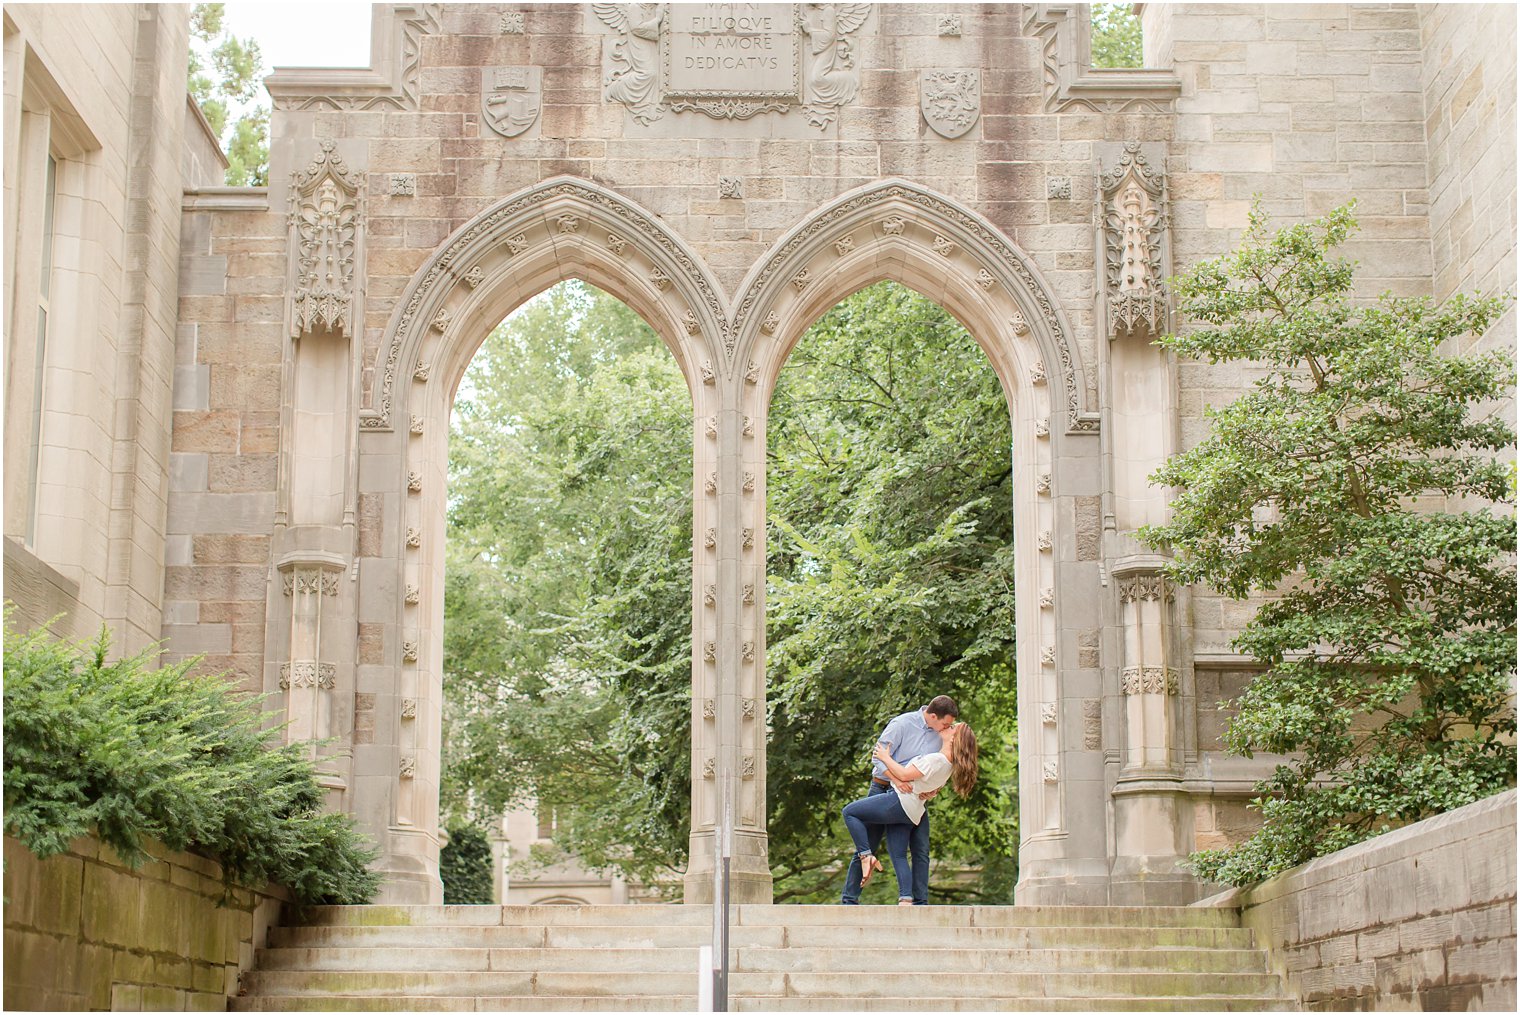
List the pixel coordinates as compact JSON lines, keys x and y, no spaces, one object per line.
{"x":1421,"y":918}
{"x":85,"y":932}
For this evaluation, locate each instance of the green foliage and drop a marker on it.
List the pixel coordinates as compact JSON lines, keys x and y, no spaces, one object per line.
{"x":568,"y":586}
{"x":465,"y":866}
{"x":568,"y":606}
{"x":890,"y":580}
{"x":1390,"y":635}
{"x":133,"y":753}
{"x":223,"y":79}
{"x":1116,"y":40}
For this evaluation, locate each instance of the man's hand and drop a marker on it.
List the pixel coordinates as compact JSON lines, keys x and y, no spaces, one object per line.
{"x":905,"y":787}
{"x":926,"y":797}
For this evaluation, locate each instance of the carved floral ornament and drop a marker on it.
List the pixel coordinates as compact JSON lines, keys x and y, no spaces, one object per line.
{"x":308,"y":673}
{"x":1145,"y":588}
{"x":1149,"y":680}
{"x":1133,"y":199}
{"x":325,"y":218}
{"x":894,"y":207}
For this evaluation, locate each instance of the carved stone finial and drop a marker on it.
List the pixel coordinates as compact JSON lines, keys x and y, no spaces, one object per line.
{"x":325,"y":223}
{"x":1134,"y":220}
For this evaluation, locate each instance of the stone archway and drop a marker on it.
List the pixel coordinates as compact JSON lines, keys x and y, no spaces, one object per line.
{"x":730,"y":357}
{"x":900,"y":231}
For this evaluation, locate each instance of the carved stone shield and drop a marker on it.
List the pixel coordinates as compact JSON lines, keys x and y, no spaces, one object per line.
{"x":510,"y":98}
{"x":951,"y":100}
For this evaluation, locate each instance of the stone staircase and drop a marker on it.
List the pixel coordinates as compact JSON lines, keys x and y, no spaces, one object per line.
{"x":784,"y":958}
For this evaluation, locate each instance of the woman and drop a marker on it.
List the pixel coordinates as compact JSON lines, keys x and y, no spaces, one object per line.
{"x":955,"y":762}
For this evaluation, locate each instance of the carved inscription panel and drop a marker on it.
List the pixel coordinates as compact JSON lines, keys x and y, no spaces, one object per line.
{"x":732,"y":51}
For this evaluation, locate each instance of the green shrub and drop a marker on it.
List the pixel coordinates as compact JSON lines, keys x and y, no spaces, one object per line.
{"x":465,"y":866}
{"x":134,"y":753}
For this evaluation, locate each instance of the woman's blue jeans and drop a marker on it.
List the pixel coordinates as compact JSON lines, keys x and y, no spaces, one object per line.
{"x":877,"y":813}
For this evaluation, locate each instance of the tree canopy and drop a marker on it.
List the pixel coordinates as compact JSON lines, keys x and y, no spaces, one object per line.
{"x":1355,"y":485}
{"x":568,"y":627}
{"x":1116,"y":38}
{"x":224,"y":80}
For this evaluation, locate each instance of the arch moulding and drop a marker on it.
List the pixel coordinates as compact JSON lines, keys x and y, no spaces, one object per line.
{"x":730,"y":352}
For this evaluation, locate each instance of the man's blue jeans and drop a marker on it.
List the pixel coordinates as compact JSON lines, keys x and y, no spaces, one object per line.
{"x":918,"y":843}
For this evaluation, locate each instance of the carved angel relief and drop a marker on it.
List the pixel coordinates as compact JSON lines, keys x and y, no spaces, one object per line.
{"x":1134,"y":218}
{"x":732,"y":62}
{"x":635,"y":77}
{"x":325,"y":218}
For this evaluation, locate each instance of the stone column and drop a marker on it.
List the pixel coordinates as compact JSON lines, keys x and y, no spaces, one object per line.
{"x":1150,"y":810}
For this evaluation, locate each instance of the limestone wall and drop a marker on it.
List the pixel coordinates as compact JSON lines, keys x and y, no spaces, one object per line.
{"x":1422,"y":918}
{"x":102,"y":91}
{"x":84,"y":932}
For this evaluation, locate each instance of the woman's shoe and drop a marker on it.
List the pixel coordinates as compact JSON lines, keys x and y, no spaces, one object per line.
{"x":868,"y":865}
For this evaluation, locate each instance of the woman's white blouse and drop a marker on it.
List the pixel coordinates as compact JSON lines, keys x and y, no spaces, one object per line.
{"x":934,"y":772}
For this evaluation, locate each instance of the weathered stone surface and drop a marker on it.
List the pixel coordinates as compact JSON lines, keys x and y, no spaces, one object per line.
{"x":83,"y":931}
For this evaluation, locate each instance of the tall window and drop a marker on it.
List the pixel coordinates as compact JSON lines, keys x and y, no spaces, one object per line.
{"x":44,"y":294}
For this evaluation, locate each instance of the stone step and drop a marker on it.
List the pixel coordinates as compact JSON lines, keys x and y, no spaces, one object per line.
{"x":919,"y":1003}
{"x":800,"y":960}
{"x":753,"y":983}
{"x":414,"y":1002}
{"x":771,"y":916}
{"x":352,"y":1002}
{"x":749,"y":936}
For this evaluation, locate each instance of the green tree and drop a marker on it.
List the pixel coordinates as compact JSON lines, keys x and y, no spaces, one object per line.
{"x":1354,"y":485}
{"x":568,"y":616}
{"x":890,"y":580}
{"x":464,"y":865}
{"x":1116,"y":40}
{"x":224,"y":76}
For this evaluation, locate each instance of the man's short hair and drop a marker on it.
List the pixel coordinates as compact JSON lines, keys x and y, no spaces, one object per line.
{"x":944,"y":705}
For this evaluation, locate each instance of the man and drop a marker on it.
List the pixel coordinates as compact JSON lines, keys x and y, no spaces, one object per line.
{"x":906,"y":737}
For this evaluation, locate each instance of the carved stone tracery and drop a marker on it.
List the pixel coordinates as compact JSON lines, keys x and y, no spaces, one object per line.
{"x":325,"y":217}
{"x":1134,"y":222}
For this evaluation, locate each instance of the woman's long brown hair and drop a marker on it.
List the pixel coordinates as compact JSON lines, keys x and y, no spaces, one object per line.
{"x":963,"y":767}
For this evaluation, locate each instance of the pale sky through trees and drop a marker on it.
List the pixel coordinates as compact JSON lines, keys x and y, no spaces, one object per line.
{"x":304,"y":34}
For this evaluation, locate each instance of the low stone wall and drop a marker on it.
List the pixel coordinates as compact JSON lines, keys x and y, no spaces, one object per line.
{"x":83,"y":931}
{"x":1422,"y":918}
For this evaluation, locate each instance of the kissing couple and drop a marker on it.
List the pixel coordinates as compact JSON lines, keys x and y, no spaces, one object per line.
{"x":914,"y":757}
